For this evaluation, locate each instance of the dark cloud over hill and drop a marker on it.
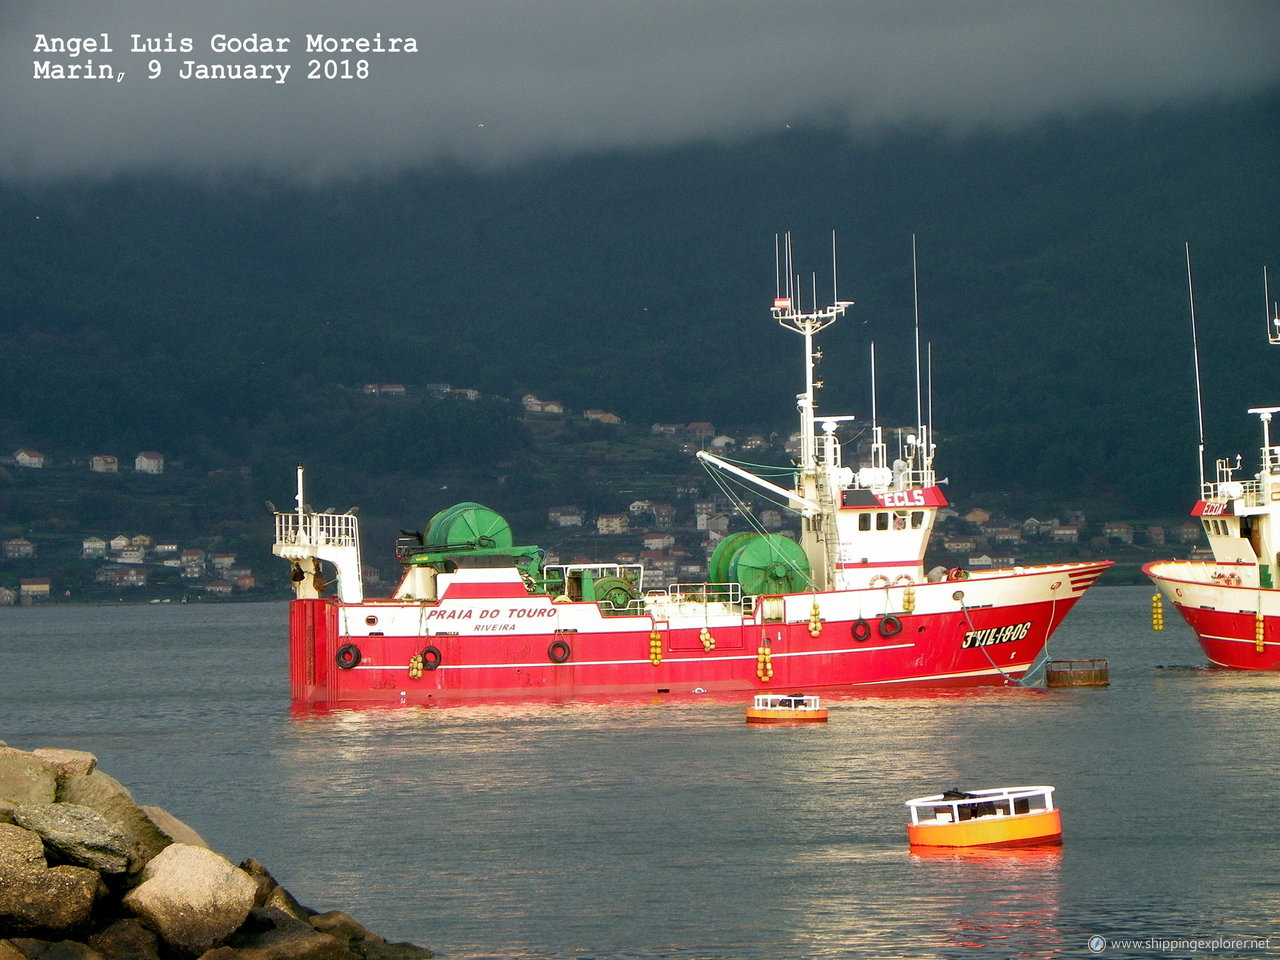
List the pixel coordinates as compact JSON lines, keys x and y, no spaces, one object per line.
{"x":500,"y":81}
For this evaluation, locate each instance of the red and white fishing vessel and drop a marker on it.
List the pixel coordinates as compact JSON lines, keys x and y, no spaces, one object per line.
{"x":847,"y":606}
{"x":1233,"y":602}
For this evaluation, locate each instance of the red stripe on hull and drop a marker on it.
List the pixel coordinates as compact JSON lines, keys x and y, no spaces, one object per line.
{"x":928,"y":651}
{"x":485,"y":591}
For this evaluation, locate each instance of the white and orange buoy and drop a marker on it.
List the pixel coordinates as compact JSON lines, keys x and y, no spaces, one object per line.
{"x":786,"y":708}
{"x":1000,"y":817}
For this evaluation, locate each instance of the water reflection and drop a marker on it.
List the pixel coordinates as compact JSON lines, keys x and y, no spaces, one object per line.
{"x":785,"y":841}
{"x":669,"y":826}
{"x":1005,"y":899}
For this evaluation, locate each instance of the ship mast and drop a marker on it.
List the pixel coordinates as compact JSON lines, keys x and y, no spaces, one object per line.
{"x":818,"y":468}
{"x":789,"y":313}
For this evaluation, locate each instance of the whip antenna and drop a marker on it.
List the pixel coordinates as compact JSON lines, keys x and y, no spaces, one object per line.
{"x":1195,"y":356}
{"x":874,"y":421}
{"x":1272,"y":311}
{"x":915,"y":292}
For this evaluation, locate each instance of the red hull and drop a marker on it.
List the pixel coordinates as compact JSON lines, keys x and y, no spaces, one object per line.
{"x":1229,"y":639}
{"x":927,"y":650}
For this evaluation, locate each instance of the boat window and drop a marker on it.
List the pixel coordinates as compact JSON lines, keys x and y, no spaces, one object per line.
{"x":917,"y":519}
{"x":882,"y":521}
{"x":864,"y":521}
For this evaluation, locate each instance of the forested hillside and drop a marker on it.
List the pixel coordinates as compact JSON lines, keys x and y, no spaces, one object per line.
{"x":231,"y":324}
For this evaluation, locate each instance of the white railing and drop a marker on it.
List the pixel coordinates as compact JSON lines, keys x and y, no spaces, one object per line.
{"x":631,"y":572}
{"x":786,"y":701}
{"x":730,"y":593}
{"x":999,"y":802}
{"x":317,"y":530}
{"x":1271,"y":459}
{"x":1250,"y":491}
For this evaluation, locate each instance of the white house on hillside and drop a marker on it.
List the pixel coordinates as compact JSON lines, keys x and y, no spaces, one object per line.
{"x":149,"y":462}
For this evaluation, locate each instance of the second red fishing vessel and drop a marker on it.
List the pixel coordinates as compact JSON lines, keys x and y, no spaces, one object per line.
{"x":848,"y":605}
{"x":1232,"y":602}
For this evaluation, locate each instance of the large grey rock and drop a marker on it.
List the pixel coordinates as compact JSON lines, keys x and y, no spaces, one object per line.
{"x":25,"y":778}
{"x":108,"y":797}
{"x":66,"y":763}
{"x":192,"y":897}
{"x":35,"y":897}
{"x":79,"y":834}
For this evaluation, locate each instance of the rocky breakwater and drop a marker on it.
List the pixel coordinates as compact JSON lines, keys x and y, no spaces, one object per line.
{"x":87,"y":873}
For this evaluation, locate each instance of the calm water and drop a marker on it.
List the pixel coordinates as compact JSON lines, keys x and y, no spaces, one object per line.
{"x":646,"y":830}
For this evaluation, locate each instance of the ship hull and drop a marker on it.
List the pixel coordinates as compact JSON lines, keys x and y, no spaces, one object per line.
{"x":495,"y":641}
{"x":1023,"y":830}
{"x":1237,"y":626}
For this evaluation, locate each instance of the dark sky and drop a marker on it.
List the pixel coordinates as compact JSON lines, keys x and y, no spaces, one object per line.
{"x":498,"y":81}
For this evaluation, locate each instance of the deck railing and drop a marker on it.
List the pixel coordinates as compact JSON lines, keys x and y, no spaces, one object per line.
{"x":1250,"y":491}
{"x":730,"y":593}
{"x":1003,"y":801}
{"x":317,"y":530}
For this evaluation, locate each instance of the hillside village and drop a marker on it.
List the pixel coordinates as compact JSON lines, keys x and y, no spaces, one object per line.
{"x":121,"y":561}
{"x":672,"y":536}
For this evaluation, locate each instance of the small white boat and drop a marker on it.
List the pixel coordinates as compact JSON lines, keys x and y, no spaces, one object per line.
{"x":786,"y":708}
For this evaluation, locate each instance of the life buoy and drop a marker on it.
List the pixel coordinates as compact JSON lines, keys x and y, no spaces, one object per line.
{"x":558,"y":652}
{"x":955,"y":573}
{"x":861,"y":630}
{"x":879,"y":580}
{"x":348,"y":656}
{"x":890,"y":626}
{"x":431,"y":658}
